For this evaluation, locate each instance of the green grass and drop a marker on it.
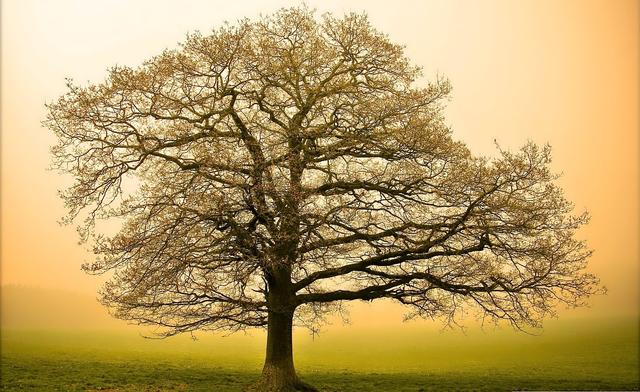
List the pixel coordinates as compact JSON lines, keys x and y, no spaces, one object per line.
{"x":567,"y":356}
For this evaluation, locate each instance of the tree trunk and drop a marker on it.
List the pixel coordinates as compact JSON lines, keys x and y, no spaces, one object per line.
{"x":278,"y":370}
{"x":278,"y":373}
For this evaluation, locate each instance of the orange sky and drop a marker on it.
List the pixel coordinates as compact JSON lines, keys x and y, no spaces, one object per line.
{"x":557,"y":71}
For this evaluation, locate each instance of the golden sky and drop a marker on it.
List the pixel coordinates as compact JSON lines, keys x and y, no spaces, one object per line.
{"x":557,"y":71}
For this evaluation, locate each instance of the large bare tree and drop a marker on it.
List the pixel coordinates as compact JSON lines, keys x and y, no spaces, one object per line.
{"x":268,"y":172}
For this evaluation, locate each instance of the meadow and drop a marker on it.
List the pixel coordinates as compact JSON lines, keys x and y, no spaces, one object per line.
{"x":579,"y":354}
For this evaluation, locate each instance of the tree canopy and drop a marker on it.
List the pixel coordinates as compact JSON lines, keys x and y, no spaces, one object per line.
{"x":288,"y":164}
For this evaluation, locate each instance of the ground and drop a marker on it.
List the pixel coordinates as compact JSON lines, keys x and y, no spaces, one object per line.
{"x":578,"y":356}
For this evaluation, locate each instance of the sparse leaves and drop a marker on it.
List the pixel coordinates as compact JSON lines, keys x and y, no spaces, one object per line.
{"x":298,"y":151}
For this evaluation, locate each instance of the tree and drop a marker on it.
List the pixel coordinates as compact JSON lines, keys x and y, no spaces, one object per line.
{"x":268,"y":172}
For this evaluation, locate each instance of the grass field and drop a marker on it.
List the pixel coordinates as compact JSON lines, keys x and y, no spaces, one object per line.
{"x":567,"y":356}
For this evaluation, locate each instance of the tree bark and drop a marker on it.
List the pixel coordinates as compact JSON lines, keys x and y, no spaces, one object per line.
{"x":278,"y":373}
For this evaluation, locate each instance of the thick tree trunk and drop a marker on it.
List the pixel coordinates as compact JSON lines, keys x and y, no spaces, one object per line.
{"x":278,"y":373}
